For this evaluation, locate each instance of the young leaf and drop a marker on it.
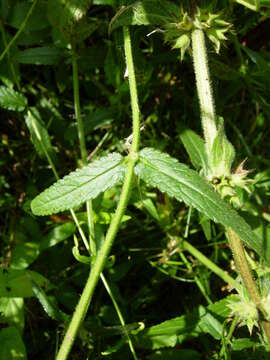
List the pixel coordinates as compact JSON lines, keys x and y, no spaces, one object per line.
{"x":155,"y":12}
{"x":177,"y":180}
{"x":81,"y":185}
{"x":39,"y":134}
{"x":195,"y":148}
{"x":11,"y":99}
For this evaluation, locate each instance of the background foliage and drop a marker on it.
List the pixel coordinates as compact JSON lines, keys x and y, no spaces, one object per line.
{"x":154,"y":283}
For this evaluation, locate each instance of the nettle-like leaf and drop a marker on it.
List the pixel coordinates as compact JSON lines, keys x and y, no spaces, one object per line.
{"x":81,"y":185}
{"x":177,"y":180}
{"x":154,"y":12}
{"x":11,"y":99}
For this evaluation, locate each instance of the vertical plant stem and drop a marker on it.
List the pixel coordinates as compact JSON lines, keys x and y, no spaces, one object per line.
{"x":10,"y":63}
{"x":89,"y":206}
{"x":246,"y":275}
{"x":120,"y":316}
{"x":100,"y":261}
{"x":204,"y":88}
{"x":77,"y":106}
{"x":81,"y":135}
{"x":20,"y":30}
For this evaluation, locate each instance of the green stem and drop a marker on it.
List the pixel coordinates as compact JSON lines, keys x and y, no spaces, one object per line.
{"x":204,"y":88}
{"x":78,"y":107}
{"x":208,"y":263}
{"x":120,"y":316}
{"x":81,"y":135}
{"x":10,"y":63}
{"x":197,"y":280}
{"x":99,"y":264}
{"x":20,"y":30}
{"x":246,"y":275}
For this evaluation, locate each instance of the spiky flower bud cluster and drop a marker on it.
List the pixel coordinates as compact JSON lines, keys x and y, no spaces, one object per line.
{"x":179,"y":33}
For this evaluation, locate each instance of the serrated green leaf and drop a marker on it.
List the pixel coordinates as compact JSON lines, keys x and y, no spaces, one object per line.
{"x":40,"y":55}
{"x":12,"y":346}
{"x":39,"y":134}
{"x":177,"y":180}
{"x":155,"y":12}
{"x":195,"y":148}
{"x":51,"y":309}
{"x":11,"y":99}
{"x":81,"y":185}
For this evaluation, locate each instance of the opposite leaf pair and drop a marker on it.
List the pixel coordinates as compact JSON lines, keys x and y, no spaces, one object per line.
{"x":156,"y":169}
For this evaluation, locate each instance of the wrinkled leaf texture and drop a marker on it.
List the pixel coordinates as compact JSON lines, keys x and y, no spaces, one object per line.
{"x":81,"y":185}
{"x":177,"y":180}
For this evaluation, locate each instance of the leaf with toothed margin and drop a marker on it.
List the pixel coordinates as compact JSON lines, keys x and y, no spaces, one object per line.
{"x":81,"y":185}
{"x":177,"y":180}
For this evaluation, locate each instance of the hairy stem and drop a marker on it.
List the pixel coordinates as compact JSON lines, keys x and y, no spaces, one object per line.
{"x":246,"y":275}
{"x":100,"y":261}
{"x":20,"y":30}
{"x":204,"y":88}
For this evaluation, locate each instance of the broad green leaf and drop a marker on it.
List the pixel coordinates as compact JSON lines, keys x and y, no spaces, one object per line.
{"x":195,"y":148}
{"x":37,"y":21}
{"x":154,"y":12}
{"x":12,"y":312}
{"x":57,"y":234}
{"x":11,"y":99}
{"x":210,"y":324}
{"x":16,"y":283}
{"x":39,"y":133}
{"x":40,"y":56}
{"x":244,"y":343}
{"x":81,"y":185}
{"x":23,"y":255}
{"x":177,"y":180}
{"x":12,"y":346}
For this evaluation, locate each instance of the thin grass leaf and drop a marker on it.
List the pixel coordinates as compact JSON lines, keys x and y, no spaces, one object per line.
{"x":39,"y":134}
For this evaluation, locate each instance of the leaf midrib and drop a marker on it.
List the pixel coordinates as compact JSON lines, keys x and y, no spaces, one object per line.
{"x":92,"y":179}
